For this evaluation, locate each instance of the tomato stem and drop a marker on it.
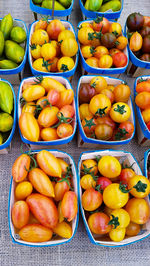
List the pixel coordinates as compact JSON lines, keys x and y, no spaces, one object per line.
{"x":98,"y":20}
{"x":123,"y":188}
{"x":63,"y":119}
{"x":128,"y":166}
{"x":89,"y":123}
{"x":114,"y":221}
{"x":38,"y":80}
{"x":120,"y":109}
{"x":140,"y":187}
{"x":101,"y":111}
{"x":121,"y":133}
{"x":64,"y":68}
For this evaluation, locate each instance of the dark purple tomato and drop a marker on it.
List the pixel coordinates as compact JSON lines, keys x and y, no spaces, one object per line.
{"x":146,"y":44}
{"x":86,"y":93}
{"x":145,"y":57}
{"x":145,"y":31}
{"x":108,"y":40}
{"x":135,"y":21}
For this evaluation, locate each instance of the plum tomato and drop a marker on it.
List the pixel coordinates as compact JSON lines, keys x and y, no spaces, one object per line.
{"x":136,"y":42}
{"x":99,"y":223}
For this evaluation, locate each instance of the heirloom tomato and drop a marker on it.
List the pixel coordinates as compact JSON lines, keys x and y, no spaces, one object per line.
{"x":105,"y":61}
{"x":110,"y":87}
{"x":61,"y":188}
{"x":100,"y":105}
{"x":142,"y":100}
{"x":29,"y":108}
{"x":60,"y":215}
{"x":119,"y":59}
{"x":67,"y":111}
{"x":48,"y":51}
{"x":146,"y":44}
{"x":39,"y":37}
{"x":86,"y":93}
{"x":136,"y":42}
{"x":109,"y":166}
{"x":41,"y":182}
{"x":135,"y":21}
{"x":106,"y":120}
{"x":64,"y":165}
{"x":21,"y":167}
{"x":50,"y":83}
{"x":63,"y":229}
{"x":92,"y":61}
{"x":54,"y":28}
{"x":119,"y":218}
{"x":87,"y":51}
{"x":125,"y":130}
{"x":36,"y":51}
{"x":103,"y":182}
{"x":115,"y":28}
{"x":113,"y":51}
{"x":49,"y":163}
{"x":122,"y":93}
{"x":121,"y":42}
{"x":69,"y":205}
{"x":146,"y":115}
{"x":44,"y":209}
{"x":120,"y":112}
{"x":138,"y":210}
{"x":85,"y":35}
{"x":64,"y":130}
{"x":33,"y":92}
{"x":53,"y":64}
{"x":69,"y":47}
{"x":41,"y":65}
{"x":139,"y":185}
{"x":99,"y":223}
{"x":53,"y":97}
{"x":115,"y":196}
{"x":89,"y":166}
{"x":23,"y":190}
{"x":100,"y":50}
{"x":87,"y":181}
{"x":48,"y":134}
{"x":89,"y":124}
{"x":143,"y":86}
{"x":20,"y":214}
{"x":146,"y":21}
{"x":65,"y":34}
{"x":84,"y":111}
{"x":35,"y":233}
{"x":98,"y":83}
{"x":108,"y":40}
{"x":91,"y":199}
{"x":125,"y":175}
{"x":117,"y":235}
{"x":101,"y":24}
{"x":133,"y":229}
{"x":109,"y":94}
{"x":103,"y":132}
{"x":145,"y":31}
{"x":41,"y":24}
{"x":57,"y":47}
{"x":48,"y":116}
{"x":65,"y":63}
{"x":66,"y":97}
{"x":29,"y":127}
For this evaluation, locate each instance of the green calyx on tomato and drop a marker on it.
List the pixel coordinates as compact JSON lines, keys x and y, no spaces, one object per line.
{"x":66,"y":178}
{"x":33,"y":46}
{"x":129,"y":34}
{"x":98,"y":188}
{"x":128,"y":166}
{"x":89,"y":123}
{"x":123,"y":188}
{"x":33,"y":163}
{"x":121,"y":133}
{"x":140,"y":187}
{"x":92,"y":50}
{"x":87,"y":171}
{"x":45,"y":18}
{"x":46,"y":64}
{"x":98,"y":158}
{"x":120,"y":109}
{"x":98,"y":20}
{"x":91,"y":36}
{"x":22,"y":101}
{"x":38,"y":80}
{"x":64,"y":68}
{"x":98,"y":35}
{"x":62,"y":119}
{"x":115,"y":33}
{"x":101,"y":112}
{"x":114,"y":221}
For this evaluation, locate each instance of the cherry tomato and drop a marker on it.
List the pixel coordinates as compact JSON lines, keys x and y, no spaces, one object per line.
{"x":41,"y":24}
{"x":108,"y":40}
{"x":65,"y":63}
{"x":39,"y":37}
{"x":101,"y":24}
{"x":143,"y":86}
{"x":92,"y":61}
{"x":103,"y":132}
{"x":113,"y":51}
{"x":120,"y":112}
{"x":53,"y":97}
{"x":105,"y":61}
{"x":138,"y":210}
{"x":109,"y":94}
{"x":91,"y":199}
{"x":89,"y":166}
{"x":41,"y":65}
{"x":49,"y":134}
{"x":84,"y":111}
{"x":126,"y":174}
{"x":106,"y":120}
{"x":119,"y":218}
{"x":98,"y":83}
{"x":65,"y":34}
{"x":122,"y":93}
{"x":57,"y":47}
{"x":60,"y":189}
{"x":132,"y":229}
{"x":100,"y":105}
{"x":35,"y":51}
{"x":33,"y":93}
{"x":23,"y":190}
{"x":87,"y":182}
{"x":89,"y":124}
{"x":125,"y":130}
{"x":98,"y":223}
{"x":121,"y":42}
{"x":85,"y":35}
{"x":115,"y":28}
{"x":69,"y":47}
{"x":103,"y":182}
{"x":146,"y":115}
{"x":139,"y":185}
{"x":48,"y":51}
{"x":67,"y":111}
{"x":53,"y":63}
{"x":100,"y":50}
{"x":48,"y":116}
{"x":117,"y":235}
{"x":86,"y":93}
{"x":119,"y":59}
{"x":54,"y":28}
{"x":64,"y":130}
{"x":136,"y":42}
{"x":109,"y":166}
{"x":66,"y":97}
{"x":88,"y":51}
{"x":143,"y":100}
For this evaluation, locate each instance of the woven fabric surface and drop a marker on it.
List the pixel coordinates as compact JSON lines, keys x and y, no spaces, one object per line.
{"x":79,"y":251}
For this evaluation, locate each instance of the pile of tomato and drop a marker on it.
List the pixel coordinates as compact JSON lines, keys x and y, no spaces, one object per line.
{"x":45,"y":203}
{"x":53,"y":47}
{"x":113,"y":198}
{"x":142,"y":99}
{"x":139,"y":35}
{"x":102,"y":43}
{"x":48,"y":111}
{"x":104,"y":110}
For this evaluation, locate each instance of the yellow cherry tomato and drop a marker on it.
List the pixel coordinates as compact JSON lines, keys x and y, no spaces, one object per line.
{"x":115,"y":28}
{"x":41,"y":65}
{"x":121,"y":42}
{"x":100,"y":105}
{"x":88,"y":166}
{"x":65,"y":34}
{"x":50,"y":84}
{"x":39,"y":37}
{"x":98,"y":83}
{"x":65,"y":63}
{"x":117,"y":235}
{"x":87,"y":51}
{"x":69,"y":47}
{"x":139,"y":185}
{"x":63,"y":230}
{"x":48,"y":51}
{"x":109,"y":166}
{"x":120,"y":112}
{"x":105,"y":61}
{"x":87,"y":182}
{"x":36,"y":51}
{"x":85,"y":35}
{"x":119,"y":218}
{"x":23,"y":190}
{"x":33,"y":92}
{"x":49,"y":134}
{"x":84,"y":111}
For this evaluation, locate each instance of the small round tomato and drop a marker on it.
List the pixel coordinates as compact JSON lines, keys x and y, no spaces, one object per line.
{"x":100,"y":51}
{"x":138,"y":210}
{"x":99,"y":223}
{"x":86,"y":24}
{"x":67,"y":111}
{"x":87,"y":182}
{"x":84,"y":111}
{"x":108,"y":40}
{"x":139,"y":185}
{"x":20,"y":214}
{"x":91,"y":199}
{"x":101,"y":24}
{"x":88,"y":51}
{"x":119,"y":218}
{"x":122,"y":93}
{"x":143,"y":100}
{"x":35,"y":51}
{"x":53,"y":97}
{"x":89,"y":166}
{"x":60,"y":189}
{"x":23,"y":190}
{"x":109,"y":94}
{"x":115,"y":196}
{"x":95,"y":42}
{"x":103,"y":182}
{"x":133,"y":229}
{"x":146,"y":115}
{"x":126,"y":130}
{"x":65,"y":63}
{"x":98,"y":83}
{"x":65,"y":34}
{"x":86,"y":93}
{"x":39,"y":37}
{"x":64,"y":130}
{"x":126,"y":174}
{"x":100,"y":105}
{"x":103,"y":132}
{"x":121,"y":42}
{"x":106,"y":120}
{"x":57,"y":47}
{"x":105,"y":61}
{"x":143,"y":86}
{"x":49,"y":134}
{"x":85,"y":35}
{"x":115,"y":28}
{"x":69,"y":47}
{"x":41,"y":65}
{"x":48,"y":116}
{"x":119,"y":59}
{"x":54,"y":28}
{"x":48,"y":51}
{"x":117,"y":235}
{"x":89,"y":124}
{"x":113,"y":51}
{"x":92,"y":61}
{"x":42,"y":102}
{"x":120,"y":112}
{"x":29,"y":108}
{"x":109,"y":166}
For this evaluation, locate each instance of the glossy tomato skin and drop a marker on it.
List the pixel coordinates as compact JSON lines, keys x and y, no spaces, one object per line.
{"x":67,"y":111}
{"x":98,"y":223}
{"x":20,"y":214}
{"x":119,"y":60}
{"x":20,"y":165}
{"x":87,"y":182}
{"x":63,"y":230}
{"x":64,"y":130}
{"x":118,"y":115}
{"x":84,"y":111}
{"x":29,"y":127}
{"x":35,"y":233}
{"x":54,"y":28}
{"x":123,"y":218}
{"x":143,"y":86}
{"x":143,"y":100}
{"x":108,"y":40}
{"x":117,"y":235}
{"x":100,"y":50}
{"x":116,"y":28}
{"x":109,"y":166}
{"x":48,"y":116}
{"x":126,"y":174}
{"x":33,"y":92}
{"x":103,"y":182}
{"x":100,"y":105}
{"x":101,"y":24}
{"x":90,"y":128}
{"x":103,"y":132}
{"x":86,"y":93}
{"x":105,"y":61}
{"x":53,"y":97}
{"x":113,"y":51}
{"x":138,"y":210}
{"x":139,"y":185}
{"x":83,"y":35}
{"x":98,"y":83}
{"x":93,"y":62}
{"x":128,"y":127}
{"x":122,"y":93}
{"x":136,"y":42}
{"x":133,"y":229}
{"x":48,"y":134}
{"x":69,"y":205}
{"x":23,"y":190}
{"x":135,"y":21}
{"x":44,"y":209}
{"x":64,"y":165}
{"x":106,"y":120}
{"x":91,"y":199}
{"x":66,"y":97}
{"x":60,"y":189}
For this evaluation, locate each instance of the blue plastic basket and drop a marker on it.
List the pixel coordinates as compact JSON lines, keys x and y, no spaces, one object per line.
{"x":135,"y":61}
{"x":46,"y":143}
{"x":92,"y":14}
{"x":48,"y":12}
{"x":146,"y":155}
{"x":60,"y":154}
{"x":106,"y":71}
{"x":143,"y":126}
{"x":66,"y":74}
{"x":8,"y":141}
{"x":131,"y":159}
{"x":20,"y":23}
{"x":113,"y":81}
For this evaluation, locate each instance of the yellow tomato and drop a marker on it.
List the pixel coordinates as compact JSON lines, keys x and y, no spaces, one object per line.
{"x":48,"y":51}
{"x":87,"y":51}
{"x":100,"y":105}
{"x":119,"y":218}
{"x":85,"y":35}
{"x":36,"y":51}
{"x":29,"y":108}
{"x":49,"y":134}
{"x":48,"y":116}
{"x":110,"y":87}
{"x":120,"y":112}
{"x":117,"y":235}
{"x":121,"y":42}
{"x":50,"y":84}
{"x":65,"y":34}
{"x":84,"y":111}
{"x":139,"y":185}
{"x":56,"y":46}
{"x":63,"y":229}
{"x":105,"y":61}
{"x":65,"y":63}
{"x":115,"y":28}
{"x":88,"y":166}
{"x":69,"y":47}
{"x":100,"y":51}
{"x":60,"y":215}
{"x":33,"y":92}
{"x":29,"y":127}
{"x":87,"y":182}
{"x":98,"y":83}
{"x":109,"y":166}
{"x":146,"y":115}
{"x":23,"y":190}
{"x":39,"y":37}
{"x":41,"y":65}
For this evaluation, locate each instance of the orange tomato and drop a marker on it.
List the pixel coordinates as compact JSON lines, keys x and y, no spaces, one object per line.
{"x":143,"y":100}
{"x":92,"y":61}
{"x":53,"y":97}
{"x":136,"y":42}
{"x":29,"y":108}
{"x":100,"y":105}
{"x":121,"y":42}
{"x":41,"y":24}
{"x":100,"y":51}
{"x":69,"y":205}
{"x":64,"y":130}
{"x":99,"y":223}
{"x":60,"y":189}
{"x":146,"y":115}
{"x":67,"y":111}
{"x":105,"y":61}
{"x":57,"y":47}
{"x":64,"y":165}
{"x":133,"y":229}
{"x":143,"y":86}
{"x":20,"y":214}
{"x":109,"y":94}
{"x":65,"y":34}
{"x":49,"y":134}
{"x":85,"y":35}
{"x":48,"y":116}
{"x":23,"y":190}
{"x":138,"y":210}
{"x":20,"y":167}
{"x":66,"y":97}
{"x":35,"y":233}
{"x":42,"y":102}
{"x":89,"y":165}
{"x":122,"y":93}
{"x":29,"y":127}
{"x":91,"y":199}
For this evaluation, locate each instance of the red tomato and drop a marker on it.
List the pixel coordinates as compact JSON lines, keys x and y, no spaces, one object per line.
{"x":119,"y":59}
{"x":66,"y":111}
{"x":101,"y":24}
{"x":89,"y":124}
{"x":103,"y":182}
{"x":54,"y":28}
{"x":64,"y":130}
{"x":53,"y":97}
{"x":128,"y":128}
{"x":106,"y":120}
{"x":114,"y":51}
{"x":126,"y":174}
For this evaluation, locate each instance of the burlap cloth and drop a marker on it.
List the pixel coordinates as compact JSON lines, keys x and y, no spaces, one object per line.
{"x":79,"y":251}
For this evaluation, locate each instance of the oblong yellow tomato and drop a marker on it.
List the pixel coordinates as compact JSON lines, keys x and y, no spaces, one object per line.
{"x":65,"y":34}
{"x":84,"y":111}
{"x":23,"y":190}
{"x":64,"y":165}
{"x":29,"y":108}
{"x":100,"y":105}
{"x":20,"y":167}
{"x":60,"y":215}
{"x":69,"y":47}
{"x":29,"y":127}
{"x":48,"y":51}
{"x":120,"y":112}
{"x":66,"y":97}
{"x":33,"y":92}
{"x":109,"y":166}
{"x":20,"y":214}
{"x":87,"y":182}
{"x":136,"y":42}
{"x":48,"y":134}
{"x":146,"y":115}
{"x":50,"y":84}
{"x":35,"y":233}
{"x":48,"y":116}
{"x":41,"y":182}
{"x":119,"y":218}
{"x":117,"y":235}
{"x":65,"y":63}
{"x":138,"y":210}
{"x":49,"y":163}
{"x":69,"y":205}
{"x":139,"y":185}
{"x":63,"y":229}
